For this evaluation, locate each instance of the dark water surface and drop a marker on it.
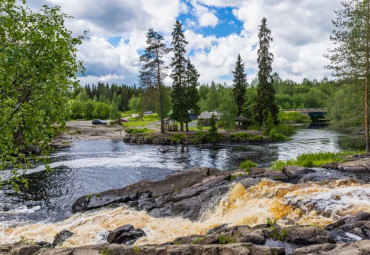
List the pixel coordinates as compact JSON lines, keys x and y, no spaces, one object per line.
{"x":95,"y":166}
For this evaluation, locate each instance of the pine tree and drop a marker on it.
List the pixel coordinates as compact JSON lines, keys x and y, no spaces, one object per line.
{"x":191,"y":91}
{"x":265,"y":101}
{"x":350,"y":56}
{"x":178,"y":64}
{"x":152,"y":72}
{"x":240,"y":84}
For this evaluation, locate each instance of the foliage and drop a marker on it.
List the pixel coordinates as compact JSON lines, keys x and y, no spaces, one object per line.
{"x":226,"y":239}
{"x":275,"y":136}
{"x":351,"y":52}
{"x":38,"y":68}
{"x":265,"y":101}
{"x":139,"y":131}
{"x":199,"y":239}
{"x":114,"y":114}
{"x":135,"y":250}
{"x":239,"y":84}
{"x":247,"y":165}
{"x":246,"y":137}
{"x":228,"y":110}
{"x":212,"y":132}
{"x":314,"y":159}
{"x":292,"y":117}
{"x":178,"y":137}
{"x":269,"y":125}
{"x":135,"y":104}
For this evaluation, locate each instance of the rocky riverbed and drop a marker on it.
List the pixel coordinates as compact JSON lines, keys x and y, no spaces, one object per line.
{"x":207,"y":211}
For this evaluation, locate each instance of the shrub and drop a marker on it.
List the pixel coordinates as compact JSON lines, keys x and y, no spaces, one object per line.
{"x":139,"y":130}
{"x":247,"y":165}
{"x":277,"y":137}
{"x":178,"y":137}
{"x":226,"y":239}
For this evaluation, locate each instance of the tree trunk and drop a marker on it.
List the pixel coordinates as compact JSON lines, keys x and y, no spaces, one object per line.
{"x":187,"y":127}
{"x":367,"y":81}
{"x":160,"y":93}
{"x":181,"y":126}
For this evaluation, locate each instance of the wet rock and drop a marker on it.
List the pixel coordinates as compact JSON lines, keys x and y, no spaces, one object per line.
{"x":61,"y":237}
{"x":357,"y":248}
{"x":187,"y":239}
{"x":308,"y":235}
{"x":351,"y":229}
{"x":44,"y":244}
{"x":217,"y":229}
{"x":295,"y":173}
{"x":126,"y":234}
{"x":357,"y":166}
{"x":25,"y":250}
{"x":172,"y":183}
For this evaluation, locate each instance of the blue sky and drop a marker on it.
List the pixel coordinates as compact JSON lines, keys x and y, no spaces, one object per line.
{"x":217,"y":31}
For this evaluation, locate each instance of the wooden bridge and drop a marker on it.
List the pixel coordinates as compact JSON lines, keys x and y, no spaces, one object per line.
{"x":310,"y":112}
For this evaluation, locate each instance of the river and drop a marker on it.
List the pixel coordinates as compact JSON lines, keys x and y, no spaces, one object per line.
{"x":89,"y":167}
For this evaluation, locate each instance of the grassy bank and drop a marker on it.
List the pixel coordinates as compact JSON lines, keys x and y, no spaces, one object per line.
{"x":314,"y":159}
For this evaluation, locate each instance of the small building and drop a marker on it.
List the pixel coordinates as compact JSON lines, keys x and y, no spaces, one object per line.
{"x":170,"y":125}
{"x":205,"y":117}
{"x":241,"y":122}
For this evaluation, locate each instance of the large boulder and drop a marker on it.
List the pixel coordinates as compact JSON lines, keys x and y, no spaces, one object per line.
{"x":295,"y":173}
{"x":126,"y":234}
{"x":357,"y":166}
{"x":61,"y":237}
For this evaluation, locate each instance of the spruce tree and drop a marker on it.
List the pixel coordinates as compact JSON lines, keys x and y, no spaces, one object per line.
{"x":350,"y":56}
{"x":191,"y":91}
{"x":152,"y":71}
{"x":240,"y":84}
{"x":178,"y":64}
{"x":265,"y":101}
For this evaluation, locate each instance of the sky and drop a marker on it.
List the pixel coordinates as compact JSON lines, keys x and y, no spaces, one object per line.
{"x":217,"y":31}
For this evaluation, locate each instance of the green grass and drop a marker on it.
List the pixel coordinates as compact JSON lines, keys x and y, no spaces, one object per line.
{"x":197,"y":129}
{"x":139,"y":131}
{"x":314,"y":159}
{"x":245,"y":137}
{"x":136,"y":123}
{"x":199,"y":239}
{"x":278,"y":137}
{"x":226,"y":239}
{"x":247,"y":165}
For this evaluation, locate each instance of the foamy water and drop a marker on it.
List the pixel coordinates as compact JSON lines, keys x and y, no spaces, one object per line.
{"x":306,"y":204}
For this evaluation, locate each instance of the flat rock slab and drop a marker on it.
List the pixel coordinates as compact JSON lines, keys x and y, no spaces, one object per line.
{"x":358,"y":166}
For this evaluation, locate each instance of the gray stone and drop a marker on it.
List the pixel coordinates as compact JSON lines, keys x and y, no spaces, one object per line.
{"x":61,"y":237}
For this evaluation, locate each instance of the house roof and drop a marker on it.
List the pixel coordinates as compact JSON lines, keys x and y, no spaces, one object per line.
{"x":205,"y":115}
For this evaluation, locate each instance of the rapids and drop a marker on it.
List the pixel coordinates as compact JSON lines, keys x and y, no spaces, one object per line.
{"x":44,"y":209}
{"x":316,"y":204}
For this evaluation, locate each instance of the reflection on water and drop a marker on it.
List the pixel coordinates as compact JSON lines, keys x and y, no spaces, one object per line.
{"x":94,"y":166}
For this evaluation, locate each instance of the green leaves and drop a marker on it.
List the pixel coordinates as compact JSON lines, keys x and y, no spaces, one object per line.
{"x":38,"y":67}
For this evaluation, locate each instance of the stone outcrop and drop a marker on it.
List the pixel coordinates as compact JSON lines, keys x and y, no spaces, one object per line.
{"x":126,"y":235}
{"x":183,"y":194}
{"x":61,"y":237}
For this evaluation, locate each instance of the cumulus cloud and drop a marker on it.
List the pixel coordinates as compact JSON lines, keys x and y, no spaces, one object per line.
{"x":300,"y":29}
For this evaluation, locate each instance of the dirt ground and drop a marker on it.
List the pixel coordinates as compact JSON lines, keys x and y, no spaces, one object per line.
{"x":85,"y":130}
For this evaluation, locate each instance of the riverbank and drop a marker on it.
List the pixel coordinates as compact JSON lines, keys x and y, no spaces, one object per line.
{"x":85,"y":130}
{"x":203,"y":211}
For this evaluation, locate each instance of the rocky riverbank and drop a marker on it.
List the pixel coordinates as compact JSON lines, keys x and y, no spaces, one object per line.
{"x":296,"y":211}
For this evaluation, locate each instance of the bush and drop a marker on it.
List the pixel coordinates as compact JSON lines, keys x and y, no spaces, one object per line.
{"x":293,"y":117}
{"x":247,"y":165}
{"x":277,"y":137}
{"x":178,"y":137}
{"x":139,"y":130}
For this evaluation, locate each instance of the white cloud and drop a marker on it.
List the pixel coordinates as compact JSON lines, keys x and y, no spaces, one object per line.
{"x":300,"y":29}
